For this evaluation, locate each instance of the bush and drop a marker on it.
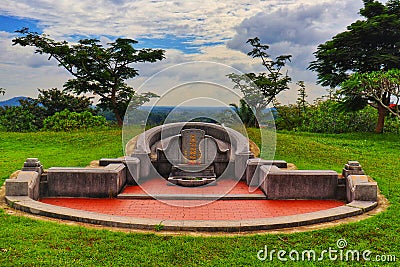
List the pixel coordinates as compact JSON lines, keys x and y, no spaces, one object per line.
{"x":326,"y":117}
{"x":288,"y":117}
{"x":17,"y":119}
{"x":68,"y":121}
{"x":392,"y":125}
{"x":329,"y":117}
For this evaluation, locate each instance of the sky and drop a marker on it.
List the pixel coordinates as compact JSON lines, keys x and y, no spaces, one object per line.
{"x":189,"y":31}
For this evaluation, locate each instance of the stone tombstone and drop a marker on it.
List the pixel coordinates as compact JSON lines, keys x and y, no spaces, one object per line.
{"x":190,"y":145}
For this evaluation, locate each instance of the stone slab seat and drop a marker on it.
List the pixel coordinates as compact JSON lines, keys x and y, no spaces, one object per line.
{"x":26,"y":184}
{"x":298,"y":184}
{"x":86,"y":182}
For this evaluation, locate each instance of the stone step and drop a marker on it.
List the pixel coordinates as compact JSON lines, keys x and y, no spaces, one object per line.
{"x":193,"y":171}
{"x":194,"y":196}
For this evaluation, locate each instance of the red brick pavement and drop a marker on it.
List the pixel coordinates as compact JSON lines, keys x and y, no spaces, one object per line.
{"x":216,"y":210}
{"x":223,"y":187}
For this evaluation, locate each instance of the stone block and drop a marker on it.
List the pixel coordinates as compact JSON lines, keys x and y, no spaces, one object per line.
{"x":346,"y":172}
{"x":33,"y":164}
{"x":86,"y":182}
{"x":360,"y":188}
{"x":352,"y":168}
{"x":302,"y":184}
{"x":253,"y":169}
{"x":26,"y":184}
{"x":241,"y":164}
{"x":353,"y":163}
{"x":133,"y":170}
{"x":145,"y":163}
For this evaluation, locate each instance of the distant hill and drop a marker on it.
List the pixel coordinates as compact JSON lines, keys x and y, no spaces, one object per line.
{"x":12,"y":101}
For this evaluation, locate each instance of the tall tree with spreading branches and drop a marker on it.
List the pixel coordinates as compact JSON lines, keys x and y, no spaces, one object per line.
{"x":261,"y":89}
{"x":368,"y":45}
{"x":100,"y":70}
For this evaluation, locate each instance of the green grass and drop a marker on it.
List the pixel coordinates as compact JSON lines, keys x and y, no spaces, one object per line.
{"x":28,"y":242}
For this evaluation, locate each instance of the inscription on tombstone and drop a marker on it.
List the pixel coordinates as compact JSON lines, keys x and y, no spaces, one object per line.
{"x":190,"y":145}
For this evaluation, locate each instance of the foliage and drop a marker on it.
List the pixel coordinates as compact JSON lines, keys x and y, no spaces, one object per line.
{"x":273,"y":81}
{"x":367,"y":45}
{"x":31,"y":113}
{"x":379,"y":86}
{"x":32,"y":242}
{"x":301,"y":99}
{"x":259,"y":90}
{"x":288,"y":117}
{"x":17,"y":119}
{"x":252,"y":95}
{"x":68,"y":121}
{"x":326,"y":117}
{"x":246,"y":114}
{"x":97,"y":69}
{"x":54,"y":100}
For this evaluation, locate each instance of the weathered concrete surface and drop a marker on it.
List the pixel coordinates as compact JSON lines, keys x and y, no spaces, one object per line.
{"x":360,"y":188}
{"x":299,"y":184}
{"x":253,"y":169}
{"x":132,"y":164}
{"x":26,"y":184}
{"x":86,"y":182}
{"x":352,"y":168}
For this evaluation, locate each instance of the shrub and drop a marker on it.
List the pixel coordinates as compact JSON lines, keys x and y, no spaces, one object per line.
{"x":288,"y":117}
{"x":17,"y":119}
{"x":392,"y":125}
{"x":68,"y":121}
{"x":326,"y":117}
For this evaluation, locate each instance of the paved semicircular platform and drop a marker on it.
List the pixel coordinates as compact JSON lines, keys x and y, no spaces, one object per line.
{"x":217,"y":210}
{"x":235,"y":212}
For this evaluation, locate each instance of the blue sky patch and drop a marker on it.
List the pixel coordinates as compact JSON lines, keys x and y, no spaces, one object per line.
{"x":11,"y":24}
{"x":169,"y":41}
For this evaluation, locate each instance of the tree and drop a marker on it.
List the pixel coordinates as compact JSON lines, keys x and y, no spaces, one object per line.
{"x":2,"y":91}
{"x":253,"y":99}
{"x":301,"y":99}
{"x":368,"y":45}
{"x":245,"y":114}
{"x":376,"y":86}
{"x":261,"y":89}
{"x":96,"y":69}
{"x":54,"y":100}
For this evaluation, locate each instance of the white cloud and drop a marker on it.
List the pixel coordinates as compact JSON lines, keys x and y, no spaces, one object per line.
{"x":293,"y":27}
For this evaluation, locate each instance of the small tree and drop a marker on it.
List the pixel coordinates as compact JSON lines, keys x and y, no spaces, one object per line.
{"x":301,"y":99}
{"x":55,"y":100}
{"x":2,"y":91}
{"x":375,"y":88}
{"x":261,"y":89}
{"x":97,"y":69}
{"x":246,"y":114}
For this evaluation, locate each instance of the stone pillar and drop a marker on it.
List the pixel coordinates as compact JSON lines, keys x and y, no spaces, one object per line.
{"x":33,"y":164}
{"x":241,"y":164}
{"x":133,"y":170}
{"x":352,"y":168}
{"x":145,"y":163}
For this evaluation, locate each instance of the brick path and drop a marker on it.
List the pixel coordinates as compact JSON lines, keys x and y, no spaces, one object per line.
{"x":217,"y":210}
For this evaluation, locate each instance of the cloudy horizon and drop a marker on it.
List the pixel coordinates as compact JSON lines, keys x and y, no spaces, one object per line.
{"x":213,"y":31}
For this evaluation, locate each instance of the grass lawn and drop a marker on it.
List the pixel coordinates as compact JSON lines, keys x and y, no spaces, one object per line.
{"x":27,"y":242}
